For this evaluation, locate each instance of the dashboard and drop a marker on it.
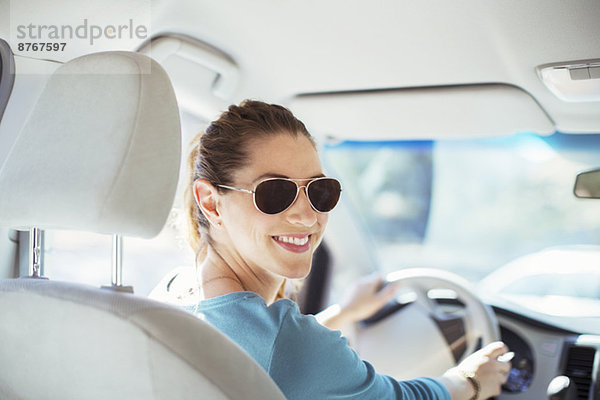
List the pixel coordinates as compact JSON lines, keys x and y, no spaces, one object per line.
{"x":544,"y":352}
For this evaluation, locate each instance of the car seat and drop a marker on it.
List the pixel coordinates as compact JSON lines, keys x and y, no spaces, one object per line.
{"x":99,"y":151}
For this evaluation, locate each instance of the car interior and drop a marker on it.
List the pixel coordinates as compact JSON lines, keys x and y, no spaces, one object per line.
{"x":466,"y":137}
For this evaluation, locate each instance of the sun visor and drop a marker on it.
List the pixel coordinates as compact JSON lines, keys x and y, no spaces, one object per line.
{"x":418,"y":113}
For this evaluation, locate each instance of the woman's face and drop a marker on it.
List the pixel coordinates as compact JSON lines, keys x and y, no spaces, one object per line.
{"x":263,"y":241}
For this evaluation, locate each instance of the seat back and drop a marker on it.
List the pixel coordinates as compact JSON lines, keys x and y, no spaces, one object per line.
{"x":100,"y":152}
{"x":69,"y":341}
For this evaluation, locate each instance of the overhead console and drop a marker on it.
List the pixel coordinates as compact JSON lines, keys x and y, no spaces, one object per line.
{"x":425,"y":112}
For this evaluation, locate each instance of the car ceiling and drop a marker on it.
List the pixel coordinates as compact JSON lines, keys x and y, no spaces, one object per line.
{"x":286,"y":49}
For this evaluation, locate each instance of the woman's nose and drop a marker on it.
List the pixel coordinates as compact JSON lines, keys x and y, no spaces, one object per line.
{"x":301,"y":212}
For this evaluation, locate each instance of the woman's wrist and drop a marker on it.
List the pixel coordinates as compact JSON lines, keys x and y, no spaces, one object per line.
{"x":458,"y":385}
{"x":470,"y":377}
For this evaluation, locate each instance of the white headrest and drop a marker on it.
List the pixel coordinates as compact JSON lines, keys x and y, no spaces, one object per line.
{"x":99,"y":151}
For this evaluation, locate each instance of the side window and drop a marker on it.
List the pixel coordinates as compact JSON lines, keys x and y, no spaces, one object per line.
{"x":85,"y":257}
{"x":389,"y":183}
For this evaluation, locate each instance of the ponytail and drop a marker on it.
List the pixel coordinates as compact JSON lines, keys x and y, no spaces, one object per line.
{"x":196,"y":233}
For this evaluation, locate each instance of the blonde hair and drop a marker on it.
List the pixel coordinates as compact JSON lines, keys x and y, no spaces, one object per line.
{"x":221,"y":150}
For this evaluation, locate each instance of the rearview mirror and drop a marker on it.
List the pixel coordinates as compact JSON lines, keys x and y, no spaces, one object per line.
{"x":587,"y":185}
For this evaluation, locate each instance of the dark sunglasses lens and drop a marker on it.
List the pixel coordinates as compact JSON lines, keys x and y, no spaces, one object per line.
{"x":274,"y":195}
{"x":324,"y":194}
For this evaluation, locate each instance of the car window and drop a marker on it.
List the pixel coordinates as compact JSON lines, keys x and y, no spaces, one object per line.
{"x":469,"y":206}
{"x":145,"y":261}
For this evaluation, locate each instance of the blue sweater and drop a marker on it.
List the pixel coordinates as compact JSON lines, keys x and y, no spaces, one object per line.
{"x":305,"y":359}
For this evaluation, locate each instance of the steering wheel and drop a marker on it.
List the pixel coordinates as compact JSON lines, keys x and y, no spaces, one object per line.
{"x":416,"y":335}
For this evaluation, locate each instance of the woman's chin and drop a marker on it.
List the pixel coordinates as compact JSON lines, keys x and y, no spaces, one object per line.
{"x":297,"y":271}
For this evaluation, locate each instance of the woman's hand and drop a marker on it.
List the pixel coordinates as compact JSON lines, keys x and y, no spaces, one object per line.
{"x":367,"y":296}
{"x":363,"y":299}
{"x":484,"y":367}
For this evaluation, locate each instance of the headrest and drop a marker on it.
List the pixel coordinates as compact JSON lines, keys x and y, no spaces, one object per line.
{"x":99,"y":151}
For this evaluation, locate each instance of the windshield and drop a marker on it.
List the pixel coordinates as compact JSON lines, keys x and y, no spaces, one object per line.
{"x":474,"y":206}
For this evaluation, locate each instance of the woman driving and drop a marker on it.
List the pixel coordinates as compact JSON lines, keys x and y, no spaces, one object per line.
{"x":258,"y":204}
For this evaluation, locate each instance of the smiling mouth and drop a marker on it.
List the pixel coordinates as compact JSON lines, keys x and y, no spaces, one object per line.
{"x":293,"y":243}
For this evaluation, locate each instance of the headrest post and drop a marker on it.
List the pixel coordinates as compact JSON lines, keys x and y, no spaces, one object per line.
{"x":117,"y":260}
{"x":117,"y":266}
{"x":35,"y":253}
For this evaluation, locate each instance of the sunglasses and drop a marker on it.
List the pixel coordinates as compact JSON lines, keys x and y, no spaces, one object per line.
{"x":275,"y":195}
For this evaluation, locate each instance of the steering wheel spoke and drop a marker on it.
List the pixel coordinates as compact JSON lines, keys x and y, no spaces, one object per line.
{"x":428,"y":303}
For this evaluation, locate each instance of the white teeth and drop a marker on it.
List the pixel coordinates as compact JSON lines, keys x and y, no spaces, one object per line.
{"x":293,"y":240}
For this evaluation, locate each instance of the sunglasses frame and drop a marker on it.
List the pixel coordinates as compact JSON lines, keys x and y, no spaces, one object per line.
{"x":298,"y":187}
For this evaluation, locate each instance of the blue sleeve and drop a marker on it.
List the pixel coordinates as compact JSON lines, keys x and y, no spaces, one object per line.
{"x":309,"y":361}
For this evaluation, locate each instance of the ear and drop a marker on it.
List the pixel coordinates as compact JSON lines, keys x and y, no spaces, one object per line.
{"x":206,"y":196}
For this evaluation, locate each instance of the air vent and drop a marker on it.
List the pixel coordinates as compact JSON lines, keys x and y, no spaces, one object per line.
{"x":580,"y":362}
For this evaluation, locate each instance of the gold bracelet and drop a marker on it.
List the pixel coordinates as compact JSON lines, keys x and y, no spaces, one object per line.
{"x":470,"y":376}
